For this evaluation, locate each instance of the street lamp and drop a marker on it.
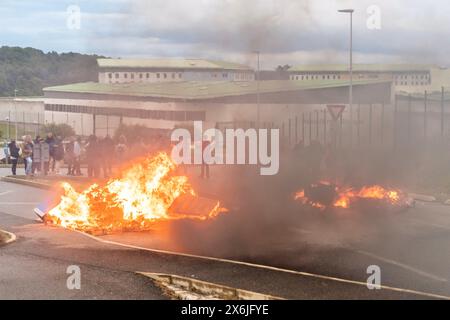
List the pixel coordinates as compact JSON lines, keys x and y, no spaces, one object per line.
{"x":350,"y":11}
{"x":258,"y":115}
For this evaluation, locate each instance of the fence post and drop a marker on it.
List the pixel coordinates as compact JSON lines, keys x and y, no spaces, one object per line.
{"x":317,"y":125}
{"x":425,"y":102}
{"x":310,"y":127}
{"x":370,"y":123}
{"x":358,"y":128}
{"x":442,"y":113}
{"x":409,"y":118}
{"x":289,"y":132}
{"x":303,"y":128}
{"x":296,"y":129}
{"x":382,"y":124}
{"x":325,"y":127}
{"x":395,"y":123}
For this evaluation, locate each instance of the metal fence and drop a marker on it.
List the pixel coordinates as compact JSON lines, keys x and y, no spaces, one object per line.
{"x":411,"y":118}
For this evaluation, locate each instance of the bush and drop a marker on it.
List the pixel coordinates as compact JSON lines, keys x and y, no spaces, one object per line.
{"x":63,"y":130}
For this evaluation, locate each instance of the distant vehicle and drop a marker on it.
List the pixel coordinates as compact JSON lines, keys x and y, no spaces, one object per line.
{"x":4,"y":153}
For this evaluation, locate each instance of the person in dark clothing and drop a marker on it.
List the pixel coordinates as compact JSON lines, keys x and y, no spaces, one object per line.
{"x":107,"y":153}
{"x":92,"y":156}
{"x":50,"y":140}
{"x":205,"y":166}
{"x":70,"y":157}
{"x":58,"y":154}
{"x":14,"y":152}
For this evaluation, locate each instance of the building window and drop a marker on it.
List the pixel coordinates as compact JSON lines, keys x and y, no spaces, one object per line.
{"x":158,"y":75}
{"x":179,"y":75}
{"x":110,"y":75}
{"x":165,"y":75}
{"x":125,"y":75}
{"x":147,"y":75}
{"x":141,"y":75}
{"x":132,"y":76}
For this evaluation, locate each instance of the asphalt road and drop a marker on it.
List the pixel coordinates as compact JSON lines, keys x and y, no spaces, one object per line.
{"x":328,"y":260}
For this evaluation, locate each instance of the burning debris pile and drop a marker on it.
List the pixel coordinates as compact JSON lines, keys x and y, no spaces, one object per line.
{"x":144,"y":194}
{"x":325,"y":194}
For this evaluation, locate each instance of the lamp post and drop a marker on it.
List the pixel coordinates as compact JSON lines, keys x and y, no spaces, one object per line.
{"x":258,"y":112}
{"x":350,"y":12}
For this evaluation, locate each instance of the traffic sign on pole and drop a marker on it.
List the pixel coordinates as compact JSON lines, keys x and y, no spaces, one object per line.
{"x":336,"y":110}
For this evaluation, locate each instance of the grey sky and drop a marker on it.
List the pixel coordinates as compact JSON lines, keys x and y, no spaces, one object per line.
{"x":287,"y":31}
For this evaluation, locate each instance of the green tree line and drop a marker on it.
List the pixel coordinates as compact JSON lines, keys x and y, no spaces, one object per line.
{"x":28,"y":70}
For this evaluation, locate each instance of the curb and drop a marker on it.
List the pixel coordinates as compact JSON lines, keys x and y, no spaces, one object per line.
{"x":185,"y":288}
{"x":29,"y":183}
{"x":11,"y":237}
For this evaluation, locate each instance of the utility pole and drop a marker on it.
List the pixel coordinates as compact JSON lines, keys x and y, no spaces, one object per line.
{"x":350,"y":98}
{"x":258,"y":111}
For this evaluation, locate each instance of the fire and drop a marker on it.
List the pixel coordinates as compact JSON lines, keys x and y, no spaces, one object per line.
{"x":140,"y":197}
{"x":345,"y":197}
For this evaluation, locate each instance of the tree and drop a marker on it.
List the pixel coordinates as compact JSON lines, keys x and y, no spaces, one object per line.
{"x":63,"y":130}
{"x":284,"y":68}
{"x":29,"y":70}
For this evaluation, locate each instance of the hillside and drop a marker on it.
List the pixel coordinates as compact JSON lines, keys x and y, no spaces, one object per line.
{"x":29,"y":70}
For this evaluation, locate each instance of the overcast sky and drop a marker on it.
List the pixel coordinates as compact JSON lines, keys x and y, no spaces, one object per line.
{"x":285,"y":31}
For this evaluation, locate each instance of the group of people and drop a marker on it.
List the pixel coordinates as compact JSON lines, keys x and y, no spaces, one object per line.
{"x":40,"y":162}
{"x":47,"y":155}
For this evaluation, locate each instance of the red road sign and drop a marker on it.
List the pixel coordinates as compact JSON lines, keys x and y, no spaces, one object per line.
{"x":336,"y":110}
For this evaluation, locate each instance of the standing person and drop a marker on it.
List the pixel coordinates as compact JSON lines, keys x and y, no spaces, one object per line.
{"x":92,"y":156}
{"x":27,"y":155}
{"x":205,"y":166}
{"x":50,"y":165}
{"x":121,"y":149}
{"x":107,"y":149}
{"x":36,"y":161}
{"x":70,"y":156}
{"x":14,"y":153}
{"x":58,"y":154}
{"x":77,"y":157}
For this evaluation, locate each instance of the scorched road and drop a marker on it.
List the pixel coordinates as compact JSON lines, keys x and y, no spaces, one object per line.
{"x":413,"y":256}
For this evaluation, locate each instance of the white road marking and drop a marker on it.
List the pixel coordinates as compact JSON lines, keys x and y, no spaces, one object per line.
{"x":306,"y":274}
{"x":387,"y":260}
{"x":399,"y":264}
{"x":419,"y":221}
{"x":5,"y":192}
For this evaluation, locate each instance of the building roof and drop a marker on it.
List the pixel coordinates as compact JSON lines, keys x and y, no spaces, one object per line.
{"x":194,"y":90}
{"x":171,"y":64}
{"x":362,"y":67}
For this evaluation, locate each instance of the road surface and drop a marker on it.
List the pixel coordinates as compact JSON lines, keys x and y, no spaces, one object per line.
{"x":412,"y":252}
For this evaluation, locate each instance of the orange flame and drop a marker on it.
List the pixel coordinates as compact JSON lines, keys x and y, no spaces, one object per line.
{"x":346,"y":197}
{"x":136,"y":200}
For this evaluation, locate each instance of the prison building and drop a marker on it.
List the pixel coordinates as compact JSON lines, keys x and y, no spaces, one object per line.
{"x":405,"y":77}
{"x":101,"y":107}
{"x":115,"y":71}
